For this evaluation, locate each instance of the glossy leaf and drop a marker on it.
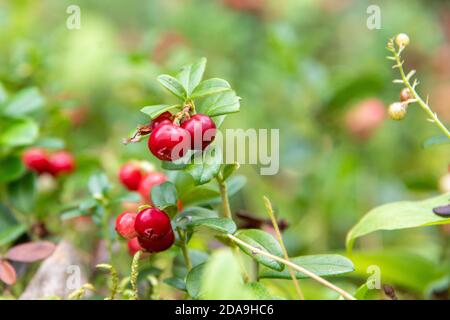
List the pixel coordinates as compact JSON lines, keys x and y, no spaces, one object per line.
{"x":206,"y":166}
{"x":399,"y":215}
{"x":164,"y":196}
{"x":220,"y":104}
{"x":210,"y":86}
{"x":31,"y":251}
{"x":179,"y":269}
{"x":191,"y":75}
{"x":156,"y":110}
{"x":322,"y":265}
{"x":220,"y":225}
{"x":11,"y":233}
{"x":229,"y":169}
{"x":173,"y":85}
{"x":264,"y":241}
{"x":193,"y":281}
{"x":176,"y":283}
{"x":98,"y":184}
{"x":7,"y":273}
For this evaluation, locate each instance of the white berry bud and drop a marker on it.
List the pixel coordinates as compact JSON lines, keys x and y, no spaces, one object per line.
{"x":397,"y":111}
{"x":402,"y":40}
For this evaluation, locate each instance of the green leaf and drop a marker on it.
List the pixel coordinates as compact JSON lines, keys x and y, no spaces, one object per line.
{"x":173,"y":85}
{"x":436,"y":140}
{"x":220,"y":104}
{"x":205,"y":166}
{"x":220,"y":225}
{"x":200,"y":194}
{"x":164,"y":195}
{"x":210,"y":86}
{"x":185,"y":218}
{"x":179,"y":269}
{"x":22,"y":192}
{"x":229,"y":169}
{"x":176,"y":283}
{"x":399,"y":215}
{"x":98,"y":184}
{"x":156,"y":110}
{"x":260,"y":291}
{"x":235,"y":184}
{"x":26,"y":101}
{"x":191,"y":75}
{"x":18,"y":131}
{"x":11,"y":233}
{"x":322,"y":265}
{"x":221,"y":278}
{"x":264,"y":241}
{"x":193,"y":281}
{"x":11,"y":168}
{"x":73,"y":213}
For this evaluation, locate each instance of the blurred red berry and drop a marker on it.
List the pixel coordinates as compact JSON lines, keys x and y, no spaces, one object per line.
{"x":36,"y":159}
{"x":364,"y":118}
{"x":61,"y":162}
{"x":134,"y":246}
{"x":148,"y":182}
{"x":152,"y":223}
{"x":164,"y":117}
{"x":202,"y":130}
{"x":158,"y":245}
{"x":169,"y":142}
{"x":125,"y":224}
{"x":130,"y":175}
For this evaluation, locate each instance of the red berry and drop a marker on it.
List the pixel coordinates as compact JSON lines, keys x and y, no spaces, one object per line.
{"x":158,"y":245}
{"x":36,"y":160}
{"x":152,"y":223}
{"x":125,"y":224}
{"x":201,"y":129}
{"x":134,"y":246}
{"x":148,"y":182}
{"x":162,"y":118}
{"x":61,"y":162}
{"x":130,"y":175}
{"x":169,"y":142}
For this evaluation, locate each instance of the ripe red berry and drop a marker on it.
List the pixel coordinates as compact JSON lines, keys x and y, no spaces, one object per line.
{"x":61,"y":162}
{"x":202,"y":130}
{"x":125,"y":224}
{"x":162,"y":118}
{"x":130,"y":175}
{"x":148,"y":182}
{"x":36,"y":160}
{"x":134,"y":246}
{"x":158,"y":245}
{"x":169,"y":142}
{"x":152,"y":223}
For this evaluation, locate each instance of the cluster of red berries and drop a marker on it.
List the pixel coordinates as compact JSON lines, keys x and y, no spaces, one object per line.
{"x":149,"y":230}
{"x":41,"y":161}
{"x":170,"y":141}
{"x":135,"y":177}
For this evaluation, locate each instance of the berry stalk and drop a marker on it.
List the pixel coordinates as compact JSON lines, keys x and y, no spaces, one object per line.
{"x":415,"y":97}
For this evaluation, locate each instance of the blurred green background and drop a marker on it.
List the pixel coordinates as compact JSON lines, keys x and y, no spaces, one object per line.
{"x":301,"y":66}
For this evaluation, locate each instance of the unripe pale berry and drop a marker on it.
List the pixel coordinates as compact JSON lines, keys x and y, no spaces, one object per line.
{"x":36,"y":159}
{"x":397,"y":111}
{"x":148,"y":182}
{"x":201,"y":129}
{"x":405,"y":95}
{"x":402,"y":40}
{"x":125,"y":225}
{"x":130,"y":175}
{"x":152,"y":223}
{"x":158,"y":245}
{"x":61,"y":162}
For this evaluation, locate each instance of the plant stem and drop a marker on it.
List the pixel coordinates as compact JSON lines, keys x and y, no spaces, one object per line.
{"x":224,"y":196}
{"x":184,"y":249}
{"x":134,"y":274}
{"x":227,"y":214}
{"x":283,"y":247}
{"x":416,"y":97}
{"x":288,"y":263}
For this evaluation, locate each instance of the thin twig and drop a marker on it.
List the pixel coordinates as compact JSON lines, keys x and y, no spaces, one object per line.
{"x":283,"y":247}
{"x":288,"y":263}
